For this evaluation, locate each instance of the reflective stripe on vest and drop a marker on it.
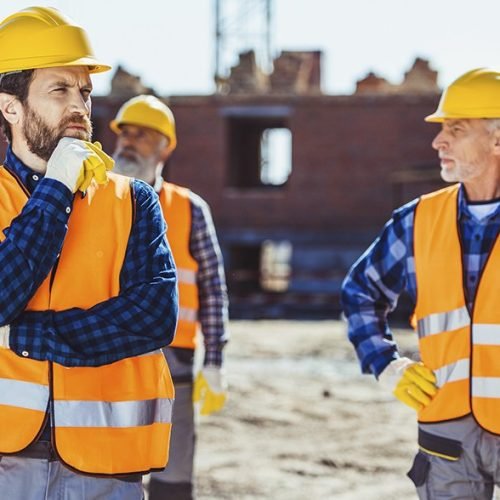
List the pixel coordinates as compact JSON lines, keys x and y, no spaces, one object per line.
{"x":27,"y":395}
{"x":452,"y":372}
{"x":442,"y":322}
{"x":486,"y":387}
{"x":88,"y":272}
{"x":188,"y":315}
{"x":109,"y":414}
{"x":176,"y":207}
{"x":186,"y":276}
{"x":463,"y":353}
{"x":486,"y":334}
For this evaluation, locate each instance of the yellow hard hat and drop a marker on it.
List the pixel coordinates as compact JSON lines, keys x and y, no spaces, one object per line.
{"x":476,"y":94}
{"x":42,"y":37}
{"x":147,"y":111}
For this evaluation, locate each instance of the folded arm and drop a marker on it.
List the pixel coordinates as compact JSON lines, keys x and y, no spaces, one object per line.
{"x":142,"y":318}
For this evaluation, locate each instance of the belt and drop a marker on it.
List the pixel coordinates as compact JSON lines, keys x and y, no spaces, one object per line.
{"x":43,"y":450}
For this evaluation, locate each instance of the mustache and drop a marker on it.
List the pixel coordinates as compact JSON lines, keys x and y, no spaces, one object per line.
{"x":128,"y":152}
{"x":76,"y":119}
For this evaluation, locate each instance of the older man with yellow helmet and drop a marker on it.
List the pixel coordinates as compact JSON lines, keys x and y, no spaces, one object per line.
{"x":146,"y":138}
{"x":444,"y":250}
{"x":88,"y":286}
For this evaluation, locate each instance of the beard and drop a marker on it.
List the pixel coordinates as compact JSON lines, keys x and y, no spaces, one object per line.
{"x":458,"y":173}
{"x":128,"y":162}
{"x":42,"y":139}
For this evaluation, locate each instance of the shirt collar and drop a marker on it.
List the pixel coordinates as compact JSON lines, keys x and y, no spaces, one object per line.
{"x":158,"y":184}
{"x":463,"y":211}
{"x":26,"y":175}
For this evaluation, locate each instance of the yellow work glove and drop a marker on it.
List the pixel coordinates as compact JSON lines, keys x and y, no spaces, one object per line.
{"x":210,"y":389}
{"x":75,"y":163}
{"x":413,"y":383}
{"x":95,"y":167}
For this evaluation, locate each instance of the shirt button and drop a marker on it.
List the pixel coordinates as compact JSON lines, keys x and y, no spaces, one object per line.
{"x":35,"y":177}
{"x":25,"y":353}
{"x":68,"y":210}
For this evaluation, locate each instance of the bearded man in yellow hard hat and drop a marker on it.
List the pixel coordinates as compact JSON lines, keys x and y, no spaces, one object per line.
{"x":88,"y":285}
{"x":146,"y":138}
{"x":444,"y":250}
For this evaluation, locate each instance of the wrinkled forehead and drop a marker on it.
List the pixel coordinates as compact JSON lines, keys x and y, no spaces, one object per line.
{"x":69,"y":75}
{"x":468,"y":123}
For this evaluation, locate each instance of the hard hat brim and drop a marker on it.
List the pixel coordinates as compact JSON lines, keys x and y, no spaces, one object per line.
{"x":435,"y":118}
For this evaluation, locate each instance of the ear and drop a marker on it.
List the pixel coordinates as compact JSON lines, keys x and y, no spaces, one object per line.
{"x":10,"y":107}
{"x":165,"y":152}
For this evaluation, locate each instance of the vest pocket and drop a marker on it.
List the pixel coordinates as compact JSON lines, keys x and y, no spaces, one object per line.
{"x":420,"y":469}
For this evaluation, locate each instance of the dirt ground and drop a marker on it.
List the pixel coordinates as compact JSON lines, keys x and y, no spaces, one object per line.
{"x":302,"y":422}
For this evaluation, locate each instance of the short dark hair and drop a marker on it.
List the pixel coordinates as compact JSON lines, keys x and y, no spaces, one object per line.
{"x":16,"y":84}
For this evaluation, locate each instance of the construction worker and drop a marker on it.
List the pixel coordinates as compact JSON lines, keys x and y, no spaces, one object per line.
{"x":146,"y":137}
{"x":443,"y":249}
{"x":88,"y":287}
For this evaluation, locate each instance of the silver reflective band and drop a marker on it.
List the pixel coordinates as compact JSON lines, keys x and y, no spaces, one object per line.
{"x":484,"y":334}
{"x":452,"y":372}
{"x":187,"y":314}
{"x":24,"y":394}
{"x":443,"y":322}
{"x":486,"y":387}
{"x":117,"y":414}
{"x":186,"y":276}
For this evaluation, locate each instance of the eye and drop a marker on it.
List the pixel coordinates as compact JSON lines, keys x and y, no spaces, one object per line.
{"x":86,"y":92}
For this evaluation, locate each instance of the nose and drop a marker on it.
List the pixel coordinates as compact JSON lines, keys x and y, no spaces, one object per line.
{"x":440,"y":141}
{"x":125,"y":140}
{"x":80,"y":104}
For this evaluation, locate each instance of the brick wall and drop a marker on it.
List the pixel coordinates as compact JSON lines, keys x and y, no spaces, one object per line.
{"x":355,"y":158}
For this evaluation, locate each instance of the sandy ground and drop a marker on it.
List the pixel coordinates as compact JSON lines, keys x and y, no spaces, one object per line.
{"x":302,"y":422}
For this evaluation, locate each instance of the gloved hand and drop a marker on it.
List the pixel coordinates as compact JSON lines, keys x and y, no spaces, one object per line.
{"x":210,"y":389}
{"x":412,"y":383}
{"x":75,"y":163}
{"x":96,"y":166}
{"x":4,"y":337}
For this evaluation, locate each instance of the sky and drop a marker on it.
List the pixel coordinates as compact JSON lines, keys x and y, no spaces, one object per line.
{"x":170,"y":44}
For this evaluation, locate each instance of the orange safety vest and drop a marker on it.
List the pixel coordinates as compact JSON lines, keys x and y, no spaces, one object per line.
{"x":462,"y":352}
{"x":109,"y":420}
{"x":176,"y":207}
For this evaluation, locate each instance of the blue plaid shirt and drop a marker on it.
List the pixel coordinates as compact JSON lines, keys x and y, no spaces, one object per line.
{"x":374,"y":283}
{"x":142,"y":318}
{"x":212,"y":293}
